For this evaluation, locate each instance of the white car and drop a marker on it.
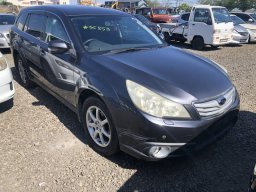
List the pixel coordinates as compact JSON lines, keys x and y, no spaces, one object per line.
{"x":250,"y":27}
{"x":6,"y":81}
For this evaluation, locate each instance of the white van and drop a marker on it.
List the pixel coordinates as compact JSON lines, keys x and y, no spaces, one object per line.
{"x":207,"y":25}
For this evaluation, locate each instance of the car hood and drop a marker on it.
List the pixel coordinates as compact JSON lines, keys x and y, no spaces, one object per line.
{"x":5,"y":28}
{"x":240,"y":28}
{"x":173,"y":73}
{"x":249,"y":26}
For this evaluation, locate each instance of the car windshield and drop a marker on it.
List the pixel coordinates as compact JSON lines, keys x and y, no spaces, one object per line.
{"x":160,"y":11}
{"x":7,"y":19}
{"x":104,"y":33}
{"x":221,"y":15}
{"x":142,"y":19}
{"x":236,"y":20}
{"x":253,"y":16}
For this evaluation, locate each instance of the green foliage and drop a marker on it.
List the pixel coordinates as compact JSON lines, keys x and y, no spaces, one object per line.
{"x":185,"y":7}
{"x":3,"y":2}
{"x":152,"y":3}
{"x":231,"y":4}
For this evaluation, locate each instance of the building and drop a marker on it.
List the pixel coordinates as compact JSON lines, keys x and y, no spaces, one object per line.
{"x":125,"y":3}
{"x":26,"y":3}
{"x":69,"y":2}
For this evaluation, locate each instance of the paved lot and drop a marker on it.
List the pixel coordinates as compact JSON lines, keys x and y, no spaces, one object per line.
{"x":42,"y":147}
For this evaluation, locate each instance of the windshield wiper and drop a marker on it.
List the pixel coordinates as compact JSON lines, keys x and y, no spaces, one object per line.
{"x":128,"y":50}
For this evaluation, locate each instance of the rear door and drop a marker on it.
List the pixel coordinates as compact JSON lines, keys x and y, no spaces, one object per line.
{"x":58,"y":68}
{"x":32,"y":40}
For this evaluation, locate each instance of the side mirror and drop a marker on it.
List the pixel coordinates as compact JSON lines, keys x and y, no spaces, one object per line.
{"x":149,"y":14}
{"x":58,"y":47}
{"x":250,"y":21}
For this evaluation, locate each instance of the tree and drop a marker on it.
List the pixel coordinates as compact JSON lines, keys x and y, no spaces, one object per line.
{"x":231,"y":4}
{"x":3,"y":2}
{"x":152,"y":3}
{"x":185,"y":7}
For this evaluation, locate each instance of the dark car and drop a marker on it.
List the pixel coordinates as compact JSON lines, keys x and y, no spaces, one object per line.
{"x":153,"y":26}
{"x":130,"y":90}
{"x":252,"y":187}
{"x":246,"y":17}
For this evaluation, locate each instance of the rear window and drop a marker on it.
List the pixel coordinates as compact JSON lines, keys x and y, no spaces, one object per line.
{"x":7,"y":19}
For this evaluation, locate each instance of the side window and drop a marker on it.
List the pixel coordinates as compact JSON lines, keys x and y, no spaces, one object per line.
{"x":185,"y":17}
{"x":202,"y":15}
{"x":245,"y":17}
{"x":35,"y":24}
{"x":21,"y":21}
{"x":55,"y":30}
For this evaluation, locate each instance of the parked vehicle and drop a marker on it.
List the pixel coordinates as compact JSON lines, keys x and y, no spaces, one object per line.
{"x":6,"y":22}
{"x":207,"y":25}
{"x":6,"y":81}
{"x":155,"y":15}
{"x":130,"y":90}
{"x":249,"y":18}
{"x":153,"y":26}
{"x":251,"y":29}
{"x":252,"y":187}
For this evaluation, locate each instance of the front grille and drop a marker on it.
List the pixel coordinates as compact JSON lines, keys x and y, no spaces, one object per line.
{"x":216,"y":106}
{"x":243,"y":33}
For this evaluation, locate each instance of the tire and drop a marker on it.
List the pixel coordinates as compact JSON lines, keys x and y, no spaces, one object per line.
{"x":198,"y":43}
{"x":99,"y":126}
{"x":23,"y":72}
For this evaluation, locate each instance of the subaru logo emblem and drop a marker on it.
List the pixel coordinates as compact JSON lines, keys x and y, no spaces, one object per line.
{"x":222,"y":101}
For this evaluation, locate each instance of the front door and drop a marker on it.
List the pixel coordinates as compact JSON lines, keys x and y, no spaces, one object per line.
{"x":201,"y":25}
{"x":58,"y":68}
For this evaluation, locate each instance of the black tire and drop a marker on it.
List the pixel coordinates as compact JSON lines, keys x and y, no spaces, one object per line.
{"x":198,"y":43}
{"x":22,"y":66}
{"x":113,"y":146}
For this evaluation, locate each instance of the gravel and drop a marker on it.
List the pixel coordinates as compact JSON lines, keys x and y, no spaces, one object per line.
{"x":42,"y":145}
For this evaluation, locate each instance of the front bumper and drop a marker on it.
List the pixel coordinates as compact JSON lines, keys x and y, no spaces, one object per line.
{"x":238,"y":39}
{"x":221,"y":39}
{"x":252,"y":37}
{"x":7,"y":89}
{"x":182,"y":137}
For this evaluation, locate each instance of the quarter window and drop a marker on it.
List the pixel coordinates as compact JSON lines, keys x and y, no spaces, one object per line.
{"x":35,"y":25}
{"x":55,"y":30}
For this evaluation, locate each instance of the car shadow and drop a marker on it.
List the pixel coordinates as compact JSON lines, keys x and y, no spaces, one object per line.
{"x":63,"y":113}
{"x":225,"y":166}
{"x":6,"y":106}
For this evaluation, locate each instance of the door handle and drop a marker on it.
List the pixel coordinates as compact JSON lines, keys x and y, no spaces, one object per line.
{"x":193,"y":24}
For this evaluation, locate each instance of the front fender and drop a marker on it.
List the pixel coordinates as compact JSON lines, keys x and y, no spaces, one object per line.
{"x":99,"y":86}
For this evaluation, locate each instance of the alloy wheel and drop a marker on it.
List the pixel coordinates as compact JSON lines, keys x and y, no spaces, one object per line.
{"x":98,"y":126}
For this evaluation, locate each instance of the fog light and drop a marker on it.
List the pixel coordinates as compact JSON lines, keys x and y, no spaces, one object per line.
{"x":160,"y":152}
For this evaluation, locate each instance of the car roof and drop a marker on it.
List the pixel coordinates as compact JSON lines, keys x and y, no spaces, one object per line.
{"x":74,"y":10}
{"x":7,"y":14}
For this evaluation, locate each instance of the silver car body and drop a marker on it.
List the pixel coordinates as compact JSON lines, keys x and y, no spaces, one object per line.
{"x":240,"y":35}
{"x":5,"y":37}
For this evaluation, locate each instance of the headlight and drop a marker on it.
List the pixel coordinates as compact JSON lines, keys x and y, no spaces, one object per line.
{"x":223,"y":68}
{"x":3,"y":64}
{"x":154,"y":104}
